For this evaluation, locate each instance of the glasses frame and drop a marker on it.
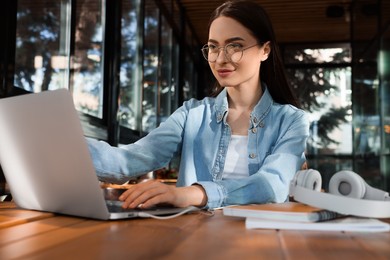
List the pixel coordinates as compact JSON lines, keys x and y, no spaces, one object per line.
{"x":205,"y":52}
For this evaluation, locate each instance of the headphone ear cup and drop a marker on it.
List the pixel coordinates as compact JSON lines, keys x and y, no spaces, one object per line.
{"x":310,"y":179}
{"x":347,"y":183}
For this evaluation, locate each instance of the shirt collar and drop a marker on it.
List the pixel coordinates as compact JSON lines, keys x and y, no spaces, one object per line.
{"x":259,"y":112}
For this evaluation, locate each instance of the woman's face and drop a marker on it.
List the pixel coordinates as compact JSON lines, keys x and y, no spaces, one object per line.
{"x":225,"y":30}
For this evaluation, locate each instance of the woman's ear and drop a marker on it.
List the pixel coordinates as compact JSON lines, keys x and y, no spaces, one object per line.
{"x":266,"y":51}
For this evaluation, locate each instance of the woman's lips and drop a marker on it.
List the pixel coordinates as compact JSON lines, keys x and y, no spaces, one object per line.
{"x":224,"y":72}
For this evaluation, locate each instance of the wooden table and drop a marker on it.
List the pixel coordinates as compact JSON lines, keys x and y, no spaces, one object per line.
{"x":38,"y":235}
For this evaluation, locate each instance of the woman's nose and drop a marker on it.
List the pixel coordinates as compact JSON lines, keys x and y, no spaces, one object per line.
{"x":221,"y":58}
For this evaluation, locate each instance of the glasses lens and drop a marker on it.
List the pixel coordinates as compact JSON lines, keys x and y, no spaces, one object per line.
{"x":234,"y":52}
{"x":210,"y":52}
{"x":205,"y":52}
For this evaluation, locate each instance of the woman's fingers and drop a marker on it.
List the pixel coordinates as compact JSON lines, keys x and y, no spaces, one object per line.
{"x":152,"y":192}
{"x":145,"y":195}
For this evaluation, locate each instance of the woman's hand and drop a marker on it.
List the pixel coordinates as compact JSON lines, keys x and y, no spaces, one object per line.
{"x":152,"y":192}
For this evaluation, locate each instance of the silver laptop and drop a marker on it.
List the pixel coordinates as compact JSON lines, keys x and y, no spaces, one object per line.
{"x":46,"y":161}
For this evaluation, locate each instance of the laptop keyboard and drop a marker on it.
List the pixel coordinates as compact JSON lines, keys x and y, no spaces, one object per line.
{"x":115,"y":206}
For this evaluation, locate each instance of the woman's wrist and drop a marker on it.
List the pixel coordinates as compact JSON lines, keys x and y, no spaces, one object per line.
{"x":194,"y":195}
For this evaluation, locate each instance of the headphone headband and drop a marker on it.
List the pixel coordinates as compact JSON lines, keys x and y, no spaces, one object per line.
{"x":341,"y":204}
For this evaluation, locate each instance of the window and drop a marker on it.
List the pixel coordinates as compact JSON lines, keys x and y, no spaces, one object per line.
{"x":130,"y":96}
{"x":86,"y":62}
{"x":42,"y":45}
{"x":166,"y":80}
{"x":322,"y":78}
{"x":151,"y":64}
{"x":123,"y":88}
{"x":43,"y":50}
{"x":370,"y":92}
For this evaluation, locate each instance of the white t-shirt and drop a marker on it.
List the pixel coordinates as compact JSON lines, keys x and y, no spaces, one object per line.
{"x":236,"y":163}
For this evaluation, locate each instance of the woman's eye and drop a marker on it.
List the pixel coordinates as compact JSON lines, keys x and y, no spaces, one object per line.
{"x":235,"y":46}
{"x":212,"y":47}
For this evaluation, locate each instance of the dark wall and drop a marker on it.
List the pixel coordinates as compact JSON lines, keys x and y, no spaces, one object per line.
{"x":7,"y":45}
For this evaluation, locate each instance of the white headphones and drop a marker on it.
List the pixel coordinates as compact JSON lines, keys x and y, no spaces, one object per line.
{"x":348,"y":194}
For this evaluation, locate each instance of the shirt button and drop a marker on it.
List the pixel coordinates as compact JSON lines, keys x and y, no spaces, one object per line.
{"x":252,"y":156}
{"x":254,"y":130}
{"x":261,"y":124}
{"x":255,"y":120}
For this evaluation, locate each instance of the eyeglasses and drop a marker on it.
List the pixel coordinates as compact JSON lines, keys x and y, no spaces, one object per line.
{"x":233,"y":52}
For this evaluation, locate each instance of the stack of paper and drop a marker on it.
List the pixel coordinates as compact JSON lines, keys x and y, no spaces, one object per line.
{"x":297,"y":216}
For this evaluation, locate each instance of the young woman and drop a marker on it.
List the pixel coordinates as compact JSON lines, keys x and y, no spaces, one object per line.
{"x":242,"y":146}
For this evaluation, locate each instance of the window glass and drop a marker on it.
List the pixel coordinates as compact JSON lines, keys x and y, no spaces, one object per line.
{"x":42,"y":45}
{"x":366,"y":109}
{"x":325,"y":93}
{"x":130,"y":83}
{"x":175,"y":76}
{"x":337,"y":54}
{"x":150,"y":67}
{"x":86,"y":78}
{"x":190,"y":75}
{"x":166,"y":88}
{"x":384,"y":70}
{"x":366,"y":93}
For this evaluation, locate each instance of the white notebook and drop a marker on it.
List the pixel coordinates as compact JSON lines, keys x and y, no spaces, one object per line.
{"x":352,"y":224}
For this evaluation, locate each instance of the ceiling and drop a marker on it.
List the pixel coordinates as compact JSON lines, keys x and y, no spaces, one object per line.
{"x":298,"y":21}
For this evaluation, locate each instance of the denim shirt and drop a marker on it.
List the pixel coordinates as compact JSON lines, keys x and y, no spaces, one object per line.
{"x":199,"y":133}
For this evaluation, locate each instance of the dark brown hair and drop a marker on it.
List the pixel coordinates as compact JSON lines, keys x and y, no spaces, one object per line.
{"x":272,"y":72}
